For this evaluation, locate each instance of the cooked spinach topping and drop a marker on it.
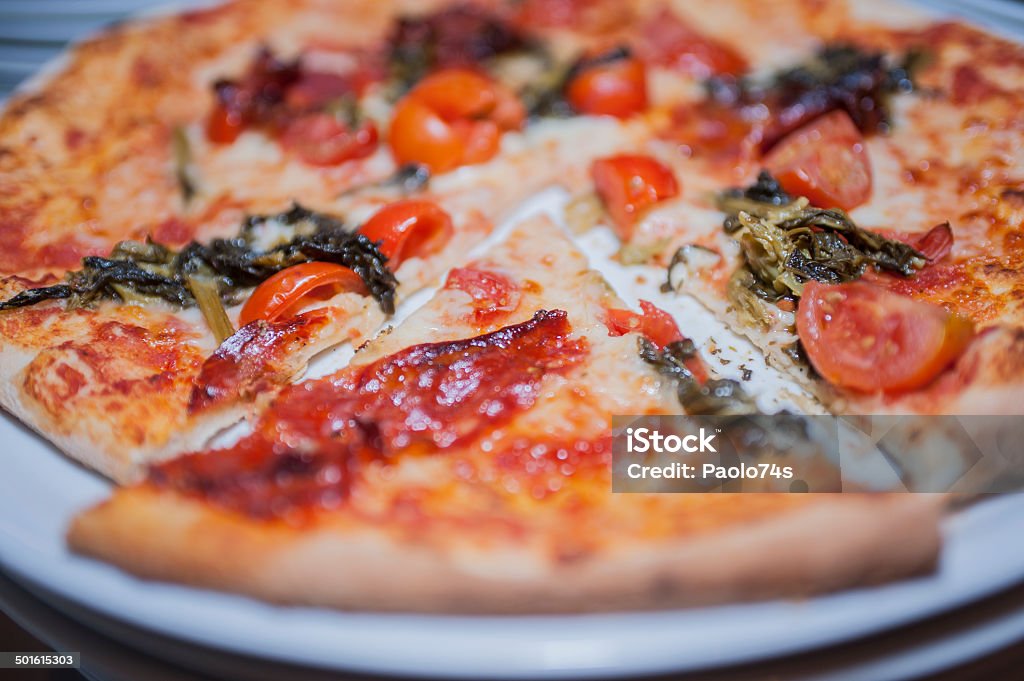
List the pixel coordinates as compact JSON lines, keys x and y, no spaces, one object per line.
{"x":463,"y":35}
{"x":714,"y":397}
{"x":184,"y":171}
{"x":840,"y":76}
{"x":786,"y":242}
{"x":220,"y":272}
{"x":766,"y":189}
{"x":407,"y":179}
{"x":544,"y":96}
{"x":682,"y":256}
{"x":410,"y":178}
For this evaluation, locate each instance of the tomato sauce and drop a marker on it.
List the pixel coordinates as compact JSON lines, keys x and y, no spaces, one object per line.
{"x":494,"y":295}
{"x":307,"y":449}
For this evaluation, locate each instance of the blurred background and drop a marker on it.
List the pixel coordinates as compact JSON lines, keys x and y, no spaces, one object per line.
{"x":35,"y":31}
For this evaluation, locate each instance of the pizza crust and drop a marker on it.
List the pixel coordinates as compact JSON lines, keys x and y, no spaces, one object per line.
{"x":830,"y":543}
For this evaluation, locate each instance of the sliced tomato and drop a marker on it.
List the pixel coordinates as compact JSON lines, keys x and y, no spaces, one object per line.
{"x":493,"y":294}
{"x":282,"y":293}
{"x":452,"y":118}
{"x":224,"y":125}
{"x":936,"y":243}
{"x":408,"y":228}
{"x":616,"y":88}
{"x":320,"y":139}
{"x":865,"y":338}
{"x":657,"y":326}
{"x":667,"y":41}
{"x":826,"y":161}
{"x":458,"y":93}
{"x":714,"y":130}
{"x":630,"y":183}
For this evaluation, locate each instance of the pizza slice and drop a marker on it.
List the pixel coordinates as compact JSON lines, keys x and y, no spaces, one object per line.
{"x":862,"y":235}
{"x":267,"y":111}
{"x":471,"y":446}
{"x":136,"y":356}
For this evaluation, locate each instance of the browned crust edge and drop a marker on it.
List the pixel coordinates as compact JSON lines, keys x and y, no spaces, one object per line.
{"x":833,"y":542}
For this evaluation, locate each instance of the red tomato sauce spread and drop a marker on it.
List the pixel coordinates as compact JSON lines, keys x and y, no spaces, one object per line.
{"x":493,"y":294}
{"x":308,"y":447}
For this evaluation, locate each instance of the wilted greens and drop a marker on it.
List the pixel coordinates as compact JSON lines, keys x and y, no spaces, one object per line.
{"x":839,"y":76}
{"x":786,"y":242}
{"x":713,"y":397}
{"x":461,"y":35}
{"x":218,"y":273}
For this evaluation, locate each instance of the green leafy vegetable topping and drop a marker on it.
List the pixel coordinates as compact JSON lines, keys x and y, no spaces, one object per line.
{"x":184,"y":171}
{"x":714,"y":397}
{"x":839,"y":76}
{"x":213,"y":274}
{"x":786,"y":242}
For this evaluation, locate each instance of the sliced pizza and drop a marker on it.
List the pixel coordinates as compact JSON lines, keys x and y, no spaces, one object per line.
{"x":853,"y":212}
{"x":472,"y":446}
{"x":267,"y":111}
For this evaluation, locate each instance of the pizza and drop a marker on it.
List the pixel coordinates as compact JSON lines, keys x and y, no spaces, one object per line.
{"x":510,"y":371}
{"x":266,"y":268}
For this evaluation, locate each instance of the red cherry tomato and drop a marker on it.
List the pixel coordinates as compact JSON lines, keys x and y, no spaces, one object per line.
{"x":282,"y":293}
{"x":617,"y":88}
{"x":409,"y":228}
{"x":419,"y":135}
{"x":320,"y":139}
{"x":936,"y":243}
{"x":658,"y":327}
{"x":224,"y":126}
{"x":826,"y":161}
{"x":630,"y":183}
{"x":865,"y":338}
{"x":666,"y":40}
{"x":452,"y":118}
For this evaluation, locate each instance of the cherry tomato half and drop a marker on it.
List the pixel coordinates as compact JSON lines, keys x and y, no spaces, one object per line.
{"x":826,"y":161}
{"x":409,"y":228}
{"x":657,"y":326}
{"x":320,"y":139}
{"x":936,"y":243}
{"x":617,"y":88}
{"x":452,"y":118}
{"x":630,"y":183}
{"x":279,"y":295}
{"x":224,"y":126}
{"x":863,"y":337}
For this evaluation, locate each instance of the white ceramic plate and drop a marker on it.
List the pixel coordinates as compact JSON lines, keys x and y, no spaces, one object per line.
{"x":40,"y":490}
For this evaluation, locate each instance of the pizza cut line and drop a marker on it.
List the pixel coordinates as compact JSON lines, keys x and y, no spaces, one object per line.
{"x":199,"y":206}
